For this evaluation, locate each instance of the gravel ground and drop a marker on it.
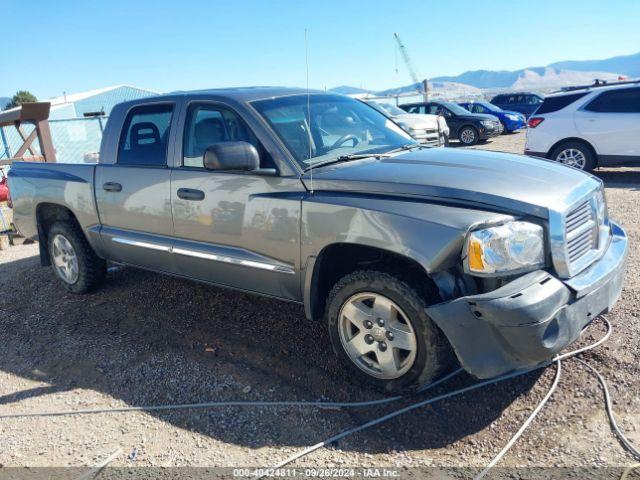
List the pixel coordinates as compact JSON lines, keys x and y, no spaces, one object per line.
{"x":149,"y":339}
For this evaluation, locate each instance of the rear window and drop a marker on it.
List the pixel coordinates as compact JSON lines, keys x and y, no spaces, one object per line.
{"x":553,"y":104}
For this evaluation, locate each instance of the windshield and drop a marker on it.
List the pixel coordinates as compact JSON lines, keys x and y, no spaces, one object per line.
{"x":387,"y":109}
{"x":490,"y":106}
{"x":339,"y":126}
{"x":455,"y":108}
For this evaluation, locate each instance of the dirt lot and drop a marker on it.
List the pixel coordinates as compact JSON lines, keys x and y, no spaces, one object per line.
{"x":148,"y":339}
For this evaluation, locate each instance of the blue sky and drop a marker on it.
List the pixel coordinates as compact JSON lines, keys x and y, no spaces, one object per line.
{"x":74,"y":45}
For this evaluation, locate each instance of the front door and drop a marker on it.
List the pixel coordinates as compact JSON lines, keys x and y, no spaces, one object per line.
{"x":453,"y":121}
{"x":133,"y":194}
{"x":239,"y":229}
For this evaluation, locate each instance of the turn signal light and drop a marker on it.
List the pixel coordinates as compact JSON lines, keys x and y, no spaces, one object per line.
{"x":534,"y":122}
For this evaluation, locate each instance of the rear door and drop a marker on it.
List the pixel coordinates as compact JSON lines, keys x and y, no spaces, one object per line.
{"x":133,"y":190}
{"x":611,"y":122}
{"x":239,"y":229}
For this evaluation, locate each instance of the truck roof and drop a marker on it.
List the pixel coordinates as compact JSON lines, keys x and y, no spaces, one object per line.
{"x":242,"y":94}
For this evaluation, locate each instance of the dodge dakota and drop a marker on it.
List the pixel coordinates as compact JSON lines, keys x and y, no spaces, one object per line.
{"x":412,"y":256}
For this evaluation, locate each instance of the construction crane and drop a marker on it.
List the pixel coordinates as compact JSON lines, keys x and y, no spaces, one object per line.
{"x":412,"y":70}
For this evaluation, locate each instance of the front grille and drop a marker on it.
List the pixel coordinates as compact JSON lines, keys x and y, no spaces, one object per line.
{"x":580,"y":227}
{"x":580,"y":234}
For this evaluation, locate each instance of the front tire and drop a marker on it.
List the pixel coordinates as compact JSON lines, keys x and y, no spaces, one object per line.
{"x":73,"y":260}
{"x":381,"y":333}
{"x":468,"y":136}
{"x":574,"y":154}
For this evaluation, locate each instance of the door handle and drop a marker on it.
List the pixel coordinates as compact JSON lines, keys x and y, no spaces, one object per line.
{"x":190,"y":194}
{"x":112,"y":187}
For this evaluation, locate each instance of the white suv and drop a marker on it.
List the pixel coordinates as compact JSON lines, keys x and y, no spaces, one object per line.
{"x":588,"y":127}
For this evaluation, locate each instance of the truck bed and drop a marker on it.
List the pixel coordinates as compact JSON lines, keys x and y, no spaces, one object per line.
{"x":68,"y":185}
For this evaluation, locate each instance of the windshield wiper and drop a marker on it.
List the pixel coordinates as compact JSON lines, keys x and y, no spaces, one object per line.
{"x":357,"y":156}
{"x":408,"y":146}
{"x":346,"y":158}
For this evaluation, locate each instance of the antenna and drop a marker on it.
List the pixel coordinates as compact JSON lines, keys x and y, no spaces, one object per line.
{"x":306,"y":60}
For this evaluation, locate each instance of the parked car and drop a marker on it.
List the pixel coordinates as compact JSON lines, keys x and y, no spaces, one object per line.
{"x":511,"y":121}
{"x":469,"y":128}
{"x":408,"y":254}
{"x":589,"y":127}
{"x":424,"y":129}
{"x":522,"y":102}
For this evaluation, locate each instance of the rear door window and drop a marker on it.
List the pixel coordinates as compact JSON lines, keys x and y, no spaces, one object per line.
{"x":145,"y":135}
{"x":625,"y":100}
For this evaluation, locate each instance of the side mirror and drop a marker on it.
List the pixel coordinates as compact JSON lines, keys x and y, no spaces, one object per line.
{"x":231,"y":156}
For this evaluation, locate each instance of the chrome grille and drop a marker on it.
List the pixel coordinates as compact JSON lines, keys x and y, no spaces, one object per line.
{"x":581,"y":234}
{"x":579,"y":226}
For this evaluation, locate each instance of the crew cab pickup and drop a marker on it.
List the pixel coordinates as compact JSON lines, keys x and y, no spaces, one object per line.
{"x":411,"y":255}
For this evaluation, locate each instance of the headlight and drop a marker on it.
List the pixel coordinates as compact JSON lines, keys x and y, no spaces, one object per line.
{"x":510,"y":248}
{"x":488,"y":123}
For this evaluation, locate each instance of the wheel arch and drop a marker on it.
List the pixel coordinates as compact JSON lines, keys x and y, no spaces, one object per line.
{"x":588,"y":144}
{"x":338,"y":259}
{"x":46,"y":215}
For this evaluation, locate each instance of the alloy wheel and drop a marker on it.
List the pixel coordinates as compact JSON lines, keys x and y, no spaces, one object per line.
{"x":467,"y":136}
{"x":64,"y":259}
{"x":377,"y":335}
{"x":573,"y":158}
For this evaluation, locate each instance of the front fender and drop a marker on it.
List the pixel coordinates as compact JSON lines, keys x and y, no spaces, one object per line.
{"x":431,"y":234}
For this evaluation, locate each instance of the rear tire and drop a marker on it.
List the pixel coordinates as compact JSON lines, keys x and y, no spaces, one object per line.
{"x":468,"y":135}
{"x":73,"y":260}
{"x":381,"y":333}
{"x":575,"y":154}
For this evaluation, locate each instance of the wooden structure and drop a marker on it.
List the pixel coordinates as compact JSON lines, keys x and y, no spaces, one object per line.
{"x":37,"y":114}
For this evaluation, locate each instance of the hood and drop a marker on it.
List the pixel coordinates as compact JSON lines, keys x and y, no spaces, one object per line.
{"x":502,"y":181}
{"x":417,"y":121}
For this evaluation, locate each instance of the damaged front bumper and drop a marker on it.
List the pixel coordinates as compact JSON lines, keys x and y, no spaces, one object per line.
{"x":529,"y":320}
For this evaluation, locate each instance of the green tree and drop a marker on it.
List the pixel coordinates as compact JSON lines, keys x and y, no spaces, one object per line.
{"x":23,"y":96}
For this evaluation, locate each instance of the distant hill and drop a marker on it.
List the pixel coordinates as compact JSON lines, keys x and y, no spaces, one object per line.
{"x":628,"y":65}
{"x":4,"y":101}
{"x":347,"y":90}
{"x":559,"y":74}
{"x":443,"y":89}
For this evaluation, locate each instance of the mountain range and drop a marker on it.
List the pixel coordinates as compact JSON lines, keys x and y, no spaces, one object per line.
{"x":557,"y":74}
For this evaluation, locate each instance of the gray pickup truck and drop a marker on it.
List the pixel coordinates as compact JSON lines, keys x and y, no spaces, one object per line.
{"x":412,"y":256}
